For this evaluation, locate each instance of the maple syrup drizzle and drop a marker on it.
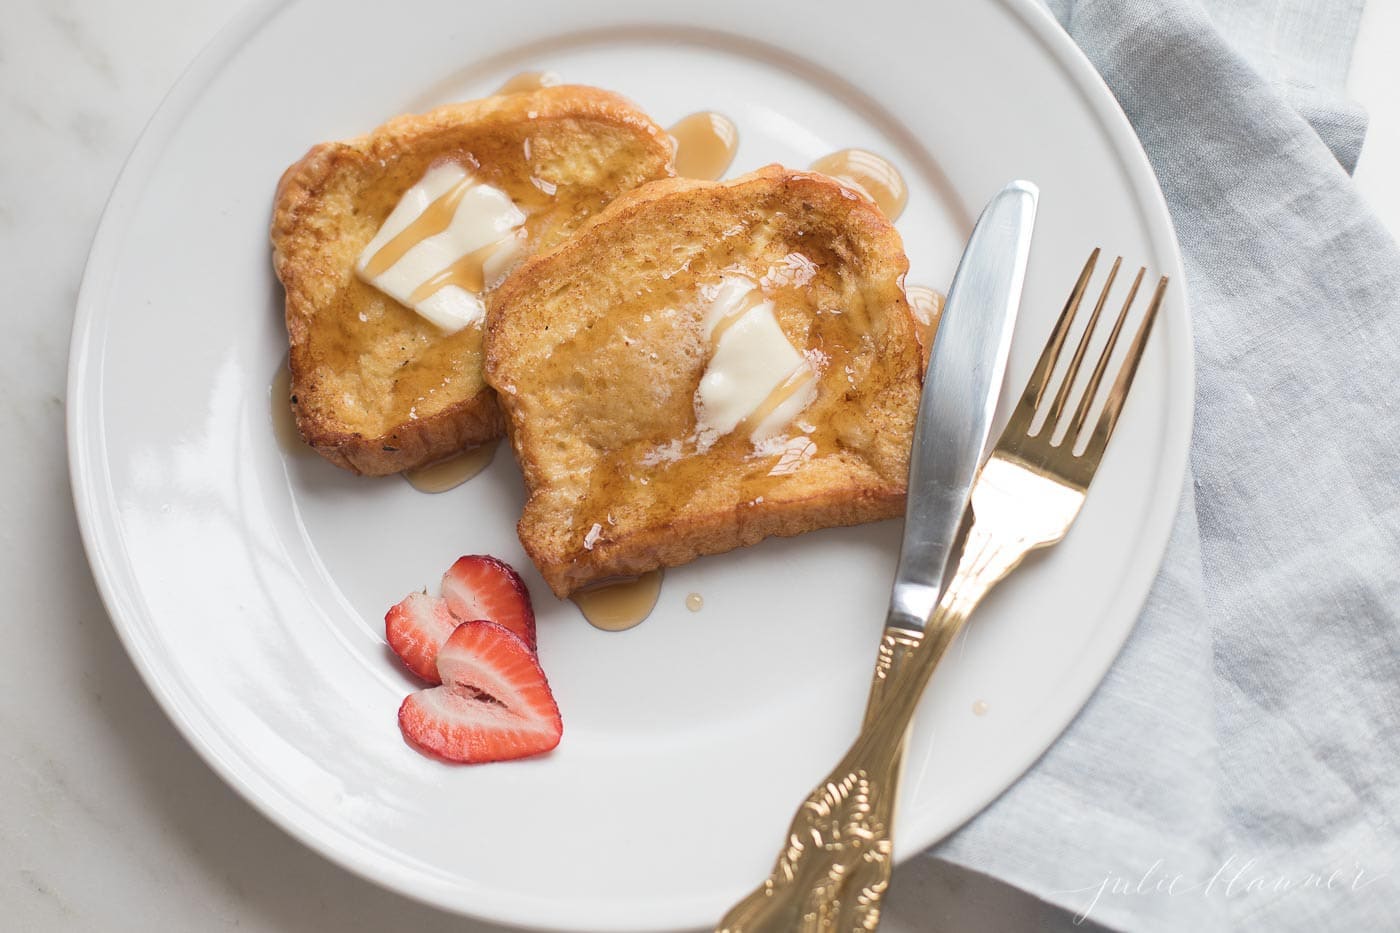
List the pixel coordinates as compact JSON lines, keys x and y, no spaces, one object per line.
{"x":467,"y":273}
{"x":927,"y":307}
{"x":694,"y":602}
{"x":785,"y":390}
{"x":619,"y":605}
{"x":705,"y":144}
{"x":436,"y":217}
{"x":751,"y":300}
{"x":452,"y":472}
{"x":528,"y":81}
{"x":873,"y":175}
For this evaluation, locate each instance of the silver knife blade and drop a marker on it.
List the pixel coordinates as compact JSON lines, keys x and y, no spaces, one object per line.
{"x":960,"y":397}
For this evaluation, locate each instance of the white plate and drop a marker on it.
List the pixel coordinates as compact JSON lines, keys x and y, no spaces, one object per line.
{"x":249,"y":585}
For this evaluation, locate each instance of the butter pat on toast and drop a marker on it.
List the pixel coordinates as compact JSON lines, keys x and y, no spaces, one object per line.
{"x":704,"y":365}
{"x":376,"y":386}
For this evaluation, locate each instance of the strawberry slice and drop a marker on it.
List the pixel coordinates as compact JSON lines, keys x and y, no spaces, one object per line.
{"x":481,"y":587}
{"x":416,"y":629}
{"x":494,"y":703}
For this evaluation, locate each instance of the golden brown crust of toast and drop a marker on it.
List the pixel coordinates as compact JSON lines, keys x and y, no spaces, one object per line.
{"x":376,"y":388}
{"x":596,"y":348}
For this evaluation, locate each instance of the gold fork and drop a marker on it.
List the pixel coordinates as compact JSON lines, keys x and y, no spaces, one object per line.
{"x":835,"y":867}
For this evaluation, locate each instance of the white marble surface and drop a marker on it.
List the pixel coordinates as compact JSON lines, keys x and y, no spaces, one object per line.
{"x":107,"y":819}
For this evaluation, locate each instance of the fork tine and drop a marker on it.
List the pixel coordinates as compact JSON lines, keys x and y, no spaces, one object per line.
{"x":1114,"y":404}
{"x":1057,"y":407}
{"x":1040,"y":377}
{"x":1081,"y":414}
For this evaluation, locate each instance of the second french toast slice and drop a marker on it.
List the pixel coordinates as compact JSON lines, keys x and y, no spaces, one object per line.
{"x":383,"y":317}
{"x":704,"y":365}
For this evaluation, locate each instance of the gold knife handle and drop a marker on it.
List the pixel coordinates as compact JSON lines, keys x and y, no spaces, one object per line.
{"x":833,"y":871}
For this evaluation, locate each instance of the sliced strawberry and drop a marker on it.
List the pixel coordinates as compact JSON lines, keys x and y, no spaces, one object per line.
{"x":480,"y":587}
{"x":494,"y":703}
{"x":416,"y":629}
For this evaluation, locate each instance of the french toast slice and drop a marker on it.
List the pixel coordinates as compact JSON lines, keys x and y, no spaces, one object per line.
{"x":601,"y":352}
{"x":376,"y":387}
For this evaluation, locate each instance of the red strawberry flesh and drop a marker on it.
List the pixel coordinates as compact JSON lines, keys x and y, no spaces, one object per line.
{"x":416,"y":629}
{"x":494,"y":703}
{"x":481,"y":587}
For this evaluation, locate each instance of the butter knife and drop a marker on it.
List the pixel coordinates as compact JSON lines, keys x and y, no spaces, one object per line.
{"x":835,"y":866}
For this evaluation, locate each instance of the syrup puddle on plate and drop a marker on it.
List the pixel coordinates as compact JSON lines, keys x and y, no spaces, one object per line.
{"x":694,"y":602}
{"x":705,"y":145}
{"x":284,"y":423}
{"x":452,"y":472}
{"x":872,"y":174}
{"x":927,"y":306}
{"x":618,"y":606}
{"x":528,"y":81}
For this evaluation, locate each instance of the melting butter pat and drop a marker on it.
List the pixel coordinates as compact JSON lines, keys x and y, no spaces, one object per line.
{"x":445,"y":242}
{"x":755,"y":381}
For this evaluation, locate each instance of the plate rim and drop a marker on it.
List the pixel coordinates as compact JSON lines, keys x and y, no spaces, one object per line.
{"x":91,"y":487}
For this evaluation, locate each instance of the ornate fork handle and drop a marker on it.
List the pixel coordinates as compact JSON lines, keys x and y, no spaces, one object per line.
{"x":835,"y":866}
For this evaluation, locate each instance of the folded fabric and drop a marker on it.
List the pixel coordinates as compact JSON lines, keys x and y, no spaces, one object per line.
{"x":1237,"y":769}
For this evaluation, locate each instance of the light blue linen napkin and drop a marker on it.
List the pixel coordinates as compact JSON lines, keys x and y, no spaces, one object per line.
{"x":1239,"y":768}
